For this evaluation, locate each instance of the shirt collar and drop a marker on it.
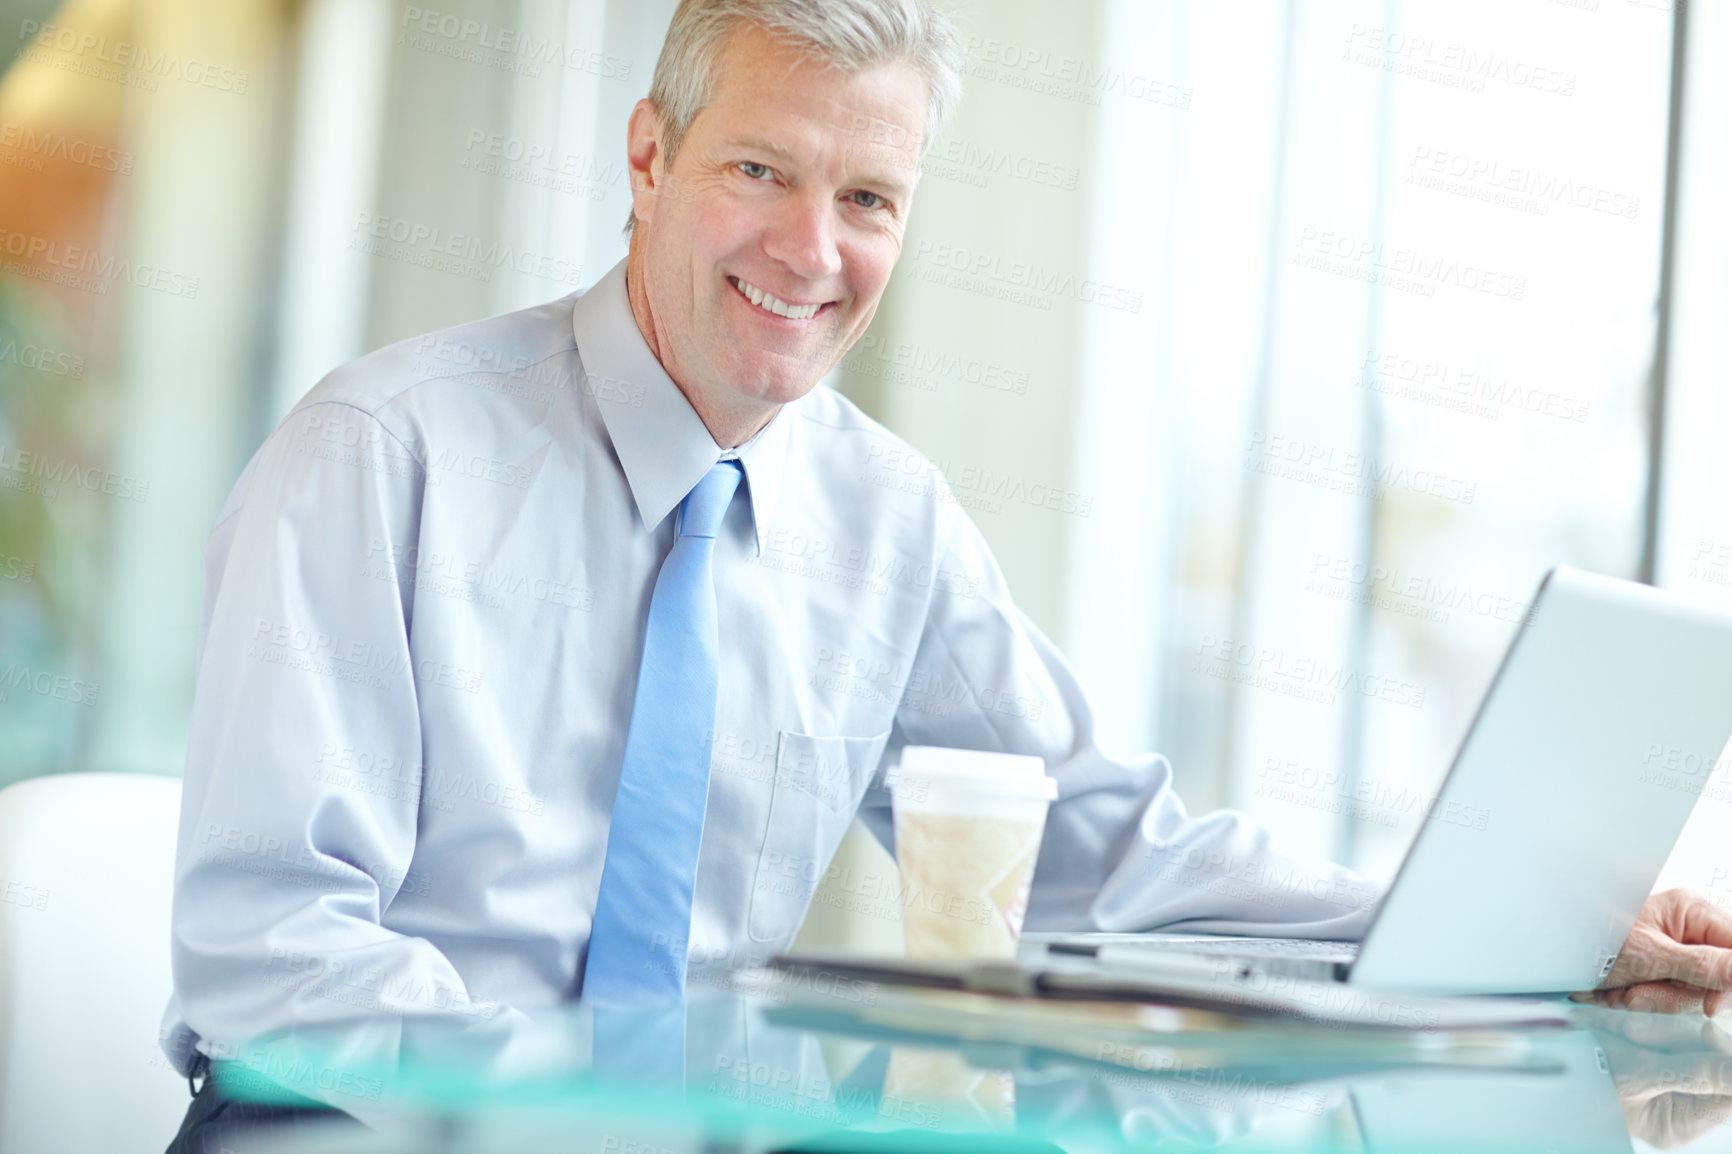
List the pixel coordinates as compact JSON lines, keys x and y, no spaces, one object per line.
{"x":662,"y":443}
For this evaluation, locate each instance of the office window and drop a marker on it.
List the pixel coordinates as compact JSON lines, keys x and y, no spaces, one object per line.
{"x":1408,"y":257}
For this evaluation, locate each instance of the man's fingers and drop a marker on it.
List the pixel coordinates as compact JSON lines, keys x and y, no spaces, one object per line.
{"x":1612,"y":999}
{"x":1652,"y":998}
{"x":1660,"y":959}
{"x":1703,"y":920}
{"x":1656,"y":998}
{"x":1706,"y":967}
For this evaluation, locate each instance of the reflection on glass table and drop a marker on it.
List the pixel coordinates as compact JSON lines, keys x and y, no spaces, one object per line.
{"x":747,"y":1065}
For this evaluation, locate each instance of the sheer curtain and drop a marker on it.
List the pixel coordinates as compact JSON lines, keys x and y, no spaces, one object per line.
{"x":1408,"y":259}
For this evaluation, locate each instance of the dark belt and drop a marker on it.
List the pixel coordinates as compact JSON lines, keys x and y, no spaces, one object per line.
{"x":281,"y":1097}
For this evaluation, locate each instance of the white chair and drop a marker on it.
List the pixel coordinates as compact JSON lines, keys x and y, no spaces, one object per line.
{"x":86,"y":877}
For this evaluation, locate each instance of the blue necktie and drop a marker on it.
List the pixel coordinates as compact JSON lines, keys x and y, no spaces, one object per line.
{"x":643,"y":912}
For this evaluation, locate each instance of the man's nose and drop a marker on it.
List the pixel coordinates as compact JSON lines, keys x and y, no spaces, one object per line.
{"x":803,"y":237}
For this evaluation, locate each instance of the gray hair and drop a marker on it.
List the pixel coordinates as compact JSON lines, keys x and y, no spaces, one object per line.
{"x":852,"y":35}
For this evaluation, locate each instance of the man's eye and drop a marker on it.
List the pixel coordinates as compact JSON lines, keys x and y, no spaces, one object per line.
{"x":755,"y":170}
{"x":868,"y":199}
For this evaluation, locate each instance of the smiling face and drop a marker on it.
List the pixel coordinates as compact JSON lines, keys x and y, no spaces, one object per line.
{"x":761,"y":253}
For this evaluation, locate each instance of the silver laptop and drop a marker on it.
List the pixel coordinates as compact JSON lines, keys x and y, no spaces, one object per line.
{"x":1587,"y":754}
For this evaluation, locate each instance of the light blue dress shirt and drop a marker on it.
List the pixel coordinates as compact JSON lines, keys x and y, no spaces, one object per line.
{"x":424,"y":606}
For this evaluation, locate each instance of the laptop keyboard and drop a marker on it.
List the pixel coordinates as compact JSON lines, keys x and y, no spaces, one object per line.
{"x":1298,"y":949}
{"x":1270,"y":948}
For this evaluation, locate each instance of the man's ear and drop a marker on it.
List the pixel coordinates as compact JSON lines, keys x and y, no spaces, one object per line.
{"x":643,"y":157}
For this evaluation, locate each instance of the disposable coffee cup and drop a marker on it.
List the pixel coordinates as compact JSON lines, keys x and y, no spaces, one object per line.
{"x":968,"y":830}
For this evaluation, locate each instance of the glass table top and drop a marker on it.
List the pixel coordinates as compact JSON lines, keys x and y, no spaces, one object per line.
{"x":754,"y":1063}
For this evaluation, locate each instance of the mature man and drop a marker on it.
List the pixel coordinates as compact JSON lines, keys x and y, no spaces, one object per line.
{"x":501,"y":619}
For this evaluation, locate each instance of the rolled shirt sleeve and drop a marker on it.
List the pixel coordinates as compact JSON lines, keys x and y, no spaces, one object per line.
{"x":1120,"y":852}
{"x":287,"y":854}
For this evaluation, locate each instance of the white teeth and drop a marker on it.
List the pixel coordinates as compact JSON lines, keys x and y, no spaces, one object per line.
{"x":773,"y":304}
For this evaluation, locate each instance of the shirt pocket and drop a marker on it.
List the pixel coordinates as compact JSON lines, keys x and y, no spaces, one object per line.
{"x":818,"y":785}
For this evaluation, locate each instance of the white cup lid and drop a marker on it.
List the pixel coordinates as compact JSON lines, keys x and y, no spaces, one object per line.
{"x":973,"y":769}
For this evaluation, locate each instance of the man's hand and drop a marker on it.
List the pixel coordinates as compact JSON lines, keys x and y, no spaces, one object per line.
{"x":1678,"y":959}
